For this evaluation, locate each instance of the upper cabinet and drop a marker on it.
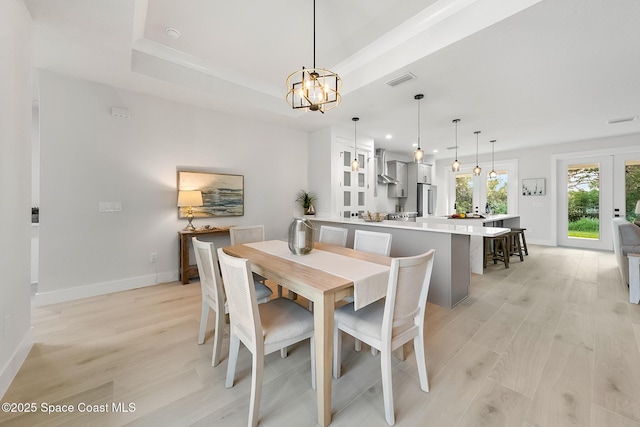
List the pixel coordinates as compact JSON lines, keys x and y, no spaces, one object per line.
{"x":397,"y":170}
{"x":420,"y":173}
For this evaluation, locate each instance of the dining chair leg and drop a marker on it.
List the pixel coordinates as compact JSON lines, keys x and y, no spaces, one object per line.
{"x":374,"y":352}
{"x":217,"y":339}
{"x":204,"y":316}
{"x":234,"y":349}
{"x":401,"y":353}
{"x":387,"y":386}
{"x":256,"y":385}
{"x":418,"y":347}
{"x":284,"y":352}
{"x":358,"y":345}
{"x":337,"y":352}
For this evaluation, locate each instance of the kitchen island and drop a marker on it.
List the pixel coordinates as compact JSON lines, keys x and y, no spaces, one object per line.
{"x":476,"y":240}
{"x":451,"y":274}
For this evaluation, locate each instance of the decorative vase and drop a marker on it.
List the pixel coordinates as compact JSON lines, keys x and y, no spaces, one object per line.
{"x":300,"y":236}
{"x":310,"y":210}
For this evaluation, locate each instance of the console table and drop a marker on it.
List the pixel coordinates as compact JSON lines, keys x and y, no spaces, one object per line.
{"x":187,"y":270}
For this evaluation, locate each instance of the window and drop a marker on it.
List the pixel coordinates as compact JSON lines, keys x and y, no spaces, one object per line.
{"x":497,"y":194}
{"x":464,"y":193}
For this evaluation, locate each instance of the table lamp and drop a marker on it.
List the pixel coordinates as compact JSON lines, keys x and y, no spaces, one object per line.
{"x":189,"y":199}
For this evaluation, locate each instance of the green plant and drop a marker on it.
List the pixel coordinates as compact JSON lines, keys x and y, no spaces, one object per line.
{"x":305,"y":198}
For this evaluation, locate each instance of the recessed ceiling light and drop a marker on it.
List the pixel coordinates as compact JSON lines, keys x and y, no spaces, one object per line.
{"x":622,"y":120}
{"x":172,"y":33}
{"x":435,"y":151}
{"x":415,"y":144}
{"x":388,"y":136}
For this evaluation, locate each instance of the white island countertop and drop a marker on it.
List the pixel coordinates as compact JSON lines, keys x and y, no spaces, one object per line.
{"x":453,"y":227}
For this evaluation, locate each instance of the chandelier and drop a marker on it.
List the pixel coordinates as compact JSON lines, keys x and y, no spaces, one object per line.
{"x":313,"y":89}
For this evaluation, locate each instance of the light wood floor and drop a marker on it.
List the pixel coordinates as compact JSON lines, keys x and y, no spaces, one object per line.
{"x":552,"y":341}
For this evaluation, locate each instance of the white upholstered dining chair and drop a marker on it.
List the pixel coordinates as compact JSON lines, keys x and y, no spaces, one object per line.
{"x":263,"y":328}
{"x":390,"y":323}
{"x":213,"y":294}
{"x":333,"y":235}
{"x":371,"y":241}
{"x":249,"y":234}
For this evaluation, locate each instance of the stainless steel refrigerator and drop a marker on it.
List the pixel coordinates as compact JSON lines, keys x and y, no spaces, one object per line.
{"x":427,"y":197}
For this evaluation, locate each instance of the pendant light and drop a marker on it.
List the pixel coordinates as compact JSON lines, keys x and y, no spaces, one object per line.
{"x":355,"y":165}
{"x":455,"y":166}
{"x":418,"y":155}
{"x":313,"y":89}
{"x":477,"y":170}
{"x":493,"y":174}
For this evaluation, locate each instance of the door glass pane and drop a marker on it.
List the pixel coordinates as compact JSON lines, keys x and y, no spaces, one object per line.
{"x":497,"y":193}
{"x":583,"y":198}
{"x":347,"y":198}
{"x":360,"y":180}
{"x":347,"y":179}
{"x":632,"y":188}
{"x":464,"y":193}
{"x":361,"y":160}
{"x":347,"y":158}
{"x":347,"y":214}
{"x":360,"y":198}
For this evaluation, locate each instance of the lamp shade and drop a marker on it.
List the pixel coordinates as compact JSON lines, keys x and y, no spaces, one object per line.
{"x":638,"y":207}
{"x":189,"y":198}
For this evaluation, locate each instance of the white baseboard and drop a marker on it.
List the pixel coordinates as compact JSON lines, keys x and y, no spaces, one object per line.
{"x":540,"y":242}
{"x":12,"y":367}
{"x":70,"y":294}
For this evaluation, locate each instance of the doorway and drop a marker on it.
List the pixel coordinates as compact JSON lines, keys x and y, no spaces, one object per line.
{"x":592,"y":191}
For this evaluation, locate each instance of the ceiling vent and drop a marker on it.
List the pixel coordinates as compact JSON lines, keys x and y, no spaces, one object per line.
{"x":401,"y":79}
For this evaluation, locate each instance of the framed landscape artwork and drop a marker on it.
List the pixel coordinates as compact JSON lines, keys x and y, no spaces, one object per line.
{"x":533,"y":187}
{"x":222,"y":194}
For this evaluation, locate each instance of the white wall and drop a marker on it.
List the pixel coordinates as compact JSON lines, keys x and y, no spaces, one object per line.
{"x":89,"y":156}
{"x":15,"y":188}
{"x":537,"y":214}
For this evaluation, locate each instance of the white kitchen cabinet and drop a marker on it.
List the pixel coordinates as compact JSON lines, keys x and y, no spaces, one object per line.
{"x":397,"y":170}
{"x":419,"y":173}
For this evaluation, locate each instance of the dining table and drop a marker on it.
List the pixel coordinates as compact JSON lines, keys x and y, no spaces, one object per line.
{"x":325,"y":276}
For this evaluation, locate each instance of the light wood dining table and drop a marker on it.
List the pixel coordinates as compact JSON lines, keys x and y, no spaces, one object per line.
{"x":320,"y":286}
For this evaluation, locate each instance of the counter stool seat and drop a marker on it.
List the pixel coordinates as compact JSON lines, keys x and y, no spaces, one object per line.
{"x":496,"y":249}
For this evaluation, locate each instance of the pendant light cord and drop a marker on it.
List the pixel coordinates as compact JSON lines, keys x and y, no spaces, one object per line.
{"x":314,"y":34}
{"x":457,"y":120}
{"x":419,"y":123}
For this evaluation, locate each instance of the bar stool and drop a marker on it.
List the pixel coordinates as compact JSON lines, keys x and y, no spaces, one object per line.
{"x":521,"y":238}
{"x":515,"y":248}
{"x":496,"y":249}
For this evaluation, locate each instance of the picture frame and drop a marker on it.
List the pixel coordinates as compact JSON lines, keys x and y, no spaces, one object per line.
{"x":534,"y":187}
{"x":222,"y":194}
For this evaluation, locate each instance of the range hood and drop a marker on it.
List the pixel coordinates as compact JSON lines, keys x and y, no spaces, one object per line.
{"x":381,"y":163}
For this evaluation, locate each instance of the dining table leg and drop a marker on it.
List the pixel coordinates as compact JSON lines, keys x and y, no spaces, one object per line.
{"x":323,"y":323}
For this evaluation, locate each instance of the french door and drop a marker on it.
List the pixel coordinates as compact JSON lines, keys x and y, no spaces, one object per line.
{"x":352,"y":197}
{"x":593,"y":190}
